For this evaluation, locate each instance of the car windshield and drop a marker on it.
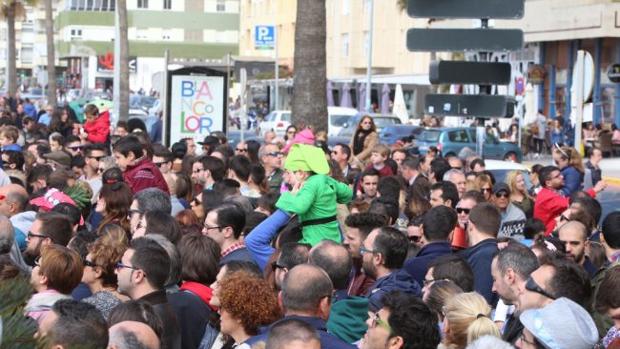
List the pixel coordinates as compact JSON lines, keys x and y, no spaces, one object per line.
{"x":429,"y":136}
{"x":500,"y":176}
{"x":286,"y":117}
{"x":340,"y":120}
{"x":383,"y":122}
{"x":271,"y":116}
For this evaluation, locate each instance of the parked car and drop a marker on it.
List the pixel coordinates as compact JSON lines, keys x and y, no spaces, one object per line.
{"x":339,"y":118}
{"x":381,"y":121}
{"x":500,"y":170}
{"x":392,"y":133}
{"x":451,"y":140}
{"x":277,"y":121}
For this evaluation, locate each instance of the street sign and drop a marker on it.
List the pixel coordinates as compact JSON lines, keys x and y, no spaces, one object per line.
{"x":614,"y":73}
{"x":444,"y":40}
{"x":462,"y":72}
{"x":264,"y":37}
{"x":503,"y":9}
{"x":480,"y":106}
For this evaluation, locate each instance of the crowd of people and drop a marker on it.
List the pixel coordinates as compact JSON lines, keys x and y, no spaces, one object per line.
{"x":292,"y":244}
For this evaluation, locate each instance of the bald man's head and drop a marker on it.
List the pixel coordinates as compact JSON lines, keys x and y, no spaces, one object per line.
{"x":304,"y":288}
{"x":335,"y":259}
{"x":132,"y":334}
{"x":7,"y":235}
{"x":13,"y":199}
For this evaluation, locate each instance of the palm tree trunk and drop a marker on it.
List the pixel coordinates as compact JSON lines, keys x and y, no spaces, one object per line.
{"x":121,"y":6}
{"x":51,"y":54}
{"x":310,"y":81}
{"x":12,"y":52}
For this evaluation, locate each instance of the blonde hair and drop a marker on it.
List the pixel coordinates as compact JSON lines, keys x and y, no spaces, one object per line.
{"x":468,"y":316}
{"x":511,"y":179}
{"x":572,"y":155}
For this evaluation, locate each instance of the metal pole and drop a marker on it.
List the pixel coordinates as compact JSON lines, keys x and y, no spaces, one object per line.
{"x":243,"y":79}
{"x":578,"y":84}
{"x":116,"y":95}
{"x":277,"y":72}
{"x":228,"y":87}
{"x":164,"y":98}
{"x":371,"y":15}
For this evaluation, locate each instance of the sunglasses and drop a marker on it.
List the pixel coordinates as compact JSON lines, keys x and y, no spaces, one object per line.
{"x":159,"y":164}
{"x":414,"y":238}
{"x":275,"y":154}
{"x":460,"y":210}
{"x":532,"y":286}
{"x":88,"y":263}
{"x":275,"y":266}
{"x":501,"y":194}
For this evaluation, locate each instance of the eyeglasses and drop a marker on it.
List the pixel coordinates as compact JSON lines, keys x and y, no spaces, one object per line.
{"x":364,"y":250}
{"x":461,"y":210}
{"x":159,"y":164}
{"x":120,"y":265}
{"x":241,"y":150}
{"x":33,"y":235}
{"x":98,"y":158}
{"x":501,"y":194}
{"x":275,"y":266}
{"x":378,"y":321}
{"x":532,"y":286}
{"x":214,"y":227}
{"x":88,"y":263}
{"x":275,"y":154}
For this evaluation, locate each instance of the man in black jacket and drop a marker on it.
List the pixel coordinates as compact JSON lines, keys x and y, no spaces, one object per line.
{"x":142,"y":273}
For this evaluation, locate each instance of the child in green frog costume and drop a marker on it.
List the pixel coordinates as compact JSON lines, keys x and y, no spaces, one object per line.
{"x":315,"y":194}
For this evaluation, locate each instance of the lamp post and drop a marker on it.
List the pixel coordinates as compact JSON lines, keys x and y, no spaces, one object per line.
{"x":371,"y":13}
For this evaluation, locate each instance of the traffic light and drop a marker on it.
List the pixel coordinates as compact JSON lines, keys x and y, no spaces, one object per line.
{"x":481,"y":39}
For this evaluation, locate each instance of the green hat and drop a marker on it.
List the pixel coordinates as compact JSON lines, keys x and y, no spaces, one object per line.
{"x":306,"y":158}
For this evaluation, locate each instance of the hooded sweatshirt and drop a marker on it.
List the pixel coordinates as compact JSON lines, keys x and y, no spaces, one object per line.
{"x":98,"y":129}
{"x":397,"y":280}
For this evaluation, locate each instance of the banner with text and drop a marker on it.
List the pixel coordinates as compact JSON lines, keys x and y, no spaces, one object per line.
{"x":196,"y":106}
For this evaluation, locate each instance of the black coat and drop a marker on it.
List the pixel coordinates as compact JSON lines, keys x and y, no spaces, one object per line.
{"x":171,"y":336}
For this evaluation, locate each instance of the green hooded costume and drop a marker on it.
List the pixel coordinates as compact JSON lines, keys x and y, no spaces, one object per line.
{"x":315,"y":203}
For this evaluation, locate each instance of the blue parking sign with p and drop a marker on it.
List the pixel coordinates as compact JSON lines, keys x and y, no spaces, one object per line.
{"x":264,"y":37}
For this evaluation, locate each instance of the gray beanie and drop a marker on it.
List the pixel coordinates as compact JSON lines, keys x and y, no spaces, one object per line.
{"x":561,"y":324}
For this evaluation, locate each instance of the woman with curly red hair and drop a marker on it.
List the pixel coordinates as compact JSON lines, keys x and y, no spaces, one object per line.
{"x":246,"y":304}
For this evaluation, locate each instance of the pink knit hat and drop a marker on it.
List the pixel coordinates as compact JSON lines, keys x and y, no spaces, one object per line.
{"x":304,"y":137}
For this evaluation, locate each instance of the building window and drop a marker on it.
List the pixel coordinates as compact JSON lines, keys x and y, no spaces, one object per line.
{"x":345,"y":45}
{"x":346,"y":7}
{"x":143,"y":3}
{"x":221,"y":6}
{"x":167,"y":4}
{"x":76,"y":33}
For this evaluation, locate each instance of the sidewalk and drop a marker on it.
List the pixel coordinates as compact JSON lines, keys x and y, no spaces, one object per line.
{"x":610,"y":167}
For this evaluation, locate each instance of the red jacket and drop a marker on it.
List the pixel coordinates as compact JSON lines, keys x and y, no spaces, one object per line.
{"x":98,"y":129}
{"x":144,"y":174}
{"x":549,"y":204}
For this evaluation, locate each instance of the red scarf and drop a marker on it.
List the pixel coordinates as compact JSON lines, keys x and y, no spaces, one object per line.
{"x":202,"y":291}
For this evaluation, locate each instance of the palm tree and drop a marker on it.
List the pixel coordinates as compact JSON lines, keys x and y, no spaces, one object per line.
{"x":402,"y":5}
{"x":51,"y":54}
{"x":310,"y":82}
{"x":11,"y":10}
{"x":121,"y":7}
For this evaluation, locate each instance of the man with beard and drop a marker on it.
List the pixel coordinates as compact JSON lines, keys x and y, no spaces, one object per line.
{"x":510,"y":269}
{"x":359,"y":225}
{"x":574,"y":235}
{"x":48,"y":228}
{"x":383,"y":254}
